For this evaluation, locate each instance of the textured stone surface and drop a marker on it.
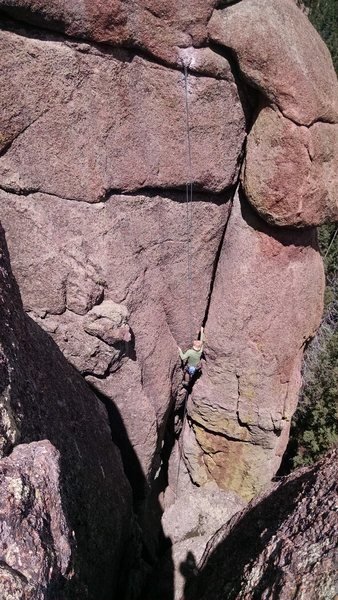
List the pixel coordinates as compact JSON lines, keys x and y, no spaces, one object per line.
{"x":280,"y":53}
{"x":191,"y":516}
{"x":155,"y":26}
{"x":241,"y":408}
{"x":35,"y":541}
{"x":43,"y":398}
{"x":290,"y":174}
{"x":92,"y":121}
{"x":93,"y":167}
{"x":283,"y":545}
{"x":108,"y":322}
{"x":291,"y":155}
{"x":196,"y":519}
{"x":133,"y":251}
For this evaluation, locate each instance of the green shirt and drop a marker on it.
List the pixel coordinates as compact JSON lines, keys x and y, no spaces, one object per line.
{"x":192,"y":356}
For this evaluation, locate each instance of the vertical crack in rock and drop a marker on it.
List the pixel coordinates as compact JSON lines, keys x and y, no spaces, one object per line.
{"x":238,"y":398}
{"x":256,"y":257}
{"x":216,"y":261}
{"x":122,"y":106}
{"x":250,"y":96}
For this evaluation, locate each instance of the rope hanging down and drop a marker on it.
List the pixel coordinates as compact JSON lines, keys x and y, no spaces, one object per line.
{"x":188,"y":198}
{"x":188,"y":193}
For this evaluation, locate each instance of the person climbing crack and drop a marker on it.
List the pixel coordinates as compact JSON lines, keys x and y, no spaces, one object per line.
{"x":192,"y":360}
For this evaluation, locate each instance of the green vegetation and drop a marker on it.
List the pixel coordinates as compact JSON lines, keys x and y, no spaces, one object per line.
{"x":323,"y":14}
{"x":314,"y":428}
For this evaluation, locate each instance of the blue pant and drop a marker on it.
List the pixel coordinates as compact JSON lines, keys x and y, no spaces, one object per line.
{"x":191,"y":370}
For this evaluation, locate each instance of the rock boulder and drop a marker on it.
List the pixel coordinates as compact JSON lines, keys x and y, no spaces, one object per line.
{"x":36,"y":540}
{"x":269,"y":283}
{"x":283,"y":545}
{"x":67,"y":497}
{"x":291,"y":156}
{"x":290,"y":171}
{"x":92,"y":122}
{"x":281,"y":54}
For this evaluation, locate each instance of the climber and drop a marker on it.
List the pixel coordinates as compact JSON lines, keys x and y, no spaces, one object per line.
{"x":192,"y":359}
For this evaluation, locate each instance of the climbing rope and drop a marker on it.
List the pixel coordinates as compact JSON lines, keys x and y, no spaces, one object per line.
{"x":188,"y":202}
{"x":188,"y":198}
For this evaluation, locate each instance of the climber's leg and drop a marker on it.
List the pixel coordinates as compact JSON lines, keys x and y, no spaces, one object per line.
{"x":189,"y":373}
{"x":186,"y":377}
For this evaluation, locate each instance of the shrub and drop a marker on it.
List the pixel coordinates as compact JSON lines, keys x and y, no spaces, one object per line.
{"x":314,"y":426}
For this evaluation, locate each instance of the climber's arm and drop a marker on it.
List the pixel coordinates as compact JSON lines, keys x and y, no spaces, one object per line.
{"x":202,"y":335}
{"x":183,"y":355}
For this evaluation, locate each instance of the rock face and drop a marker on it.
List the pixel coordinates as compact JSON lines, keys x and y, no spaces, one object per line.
{"x":291,"y":158}
{"x":151,"y":25}
{"x":284,"y":544}
{"x":237,"y":425}
{"x":63,"y":500}
{"x":96,"y":121}
{"x":75,"y":148}
{"x":289,"y":173}
{"x":94,"y":165}
{"x":31,"y":518}
{"x":144,"y":270}
{"x":282,"y":55}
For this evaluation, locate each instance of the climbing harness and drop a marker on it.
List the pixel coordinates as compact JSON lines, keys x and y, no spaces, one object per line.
{"x":188,"y":198}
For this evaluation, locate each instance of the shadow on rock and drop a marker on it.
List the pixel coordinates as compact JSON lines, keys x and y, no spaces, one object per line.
{"x":257,"y":554}
{"x":103,"y":555}
{"x":287,"y":236}
{"x":141,"y":558}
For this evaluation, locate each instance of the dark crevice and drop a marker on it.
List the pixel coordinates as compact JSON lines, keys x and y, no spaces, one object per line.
{"x":147,"y":512}
{"x":250,"y":111}
{"x":131,"y":464}
{"x":215,"y":267}
{"x":249,"y":95}
{"x":253,"y":92}
{"x":175,"y":194}
{"x":32,"y":191}
{"x":125,"y":52}
{"x":220,"y":246}
{"x":152,"y":541}
{"x":225,"y":3}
